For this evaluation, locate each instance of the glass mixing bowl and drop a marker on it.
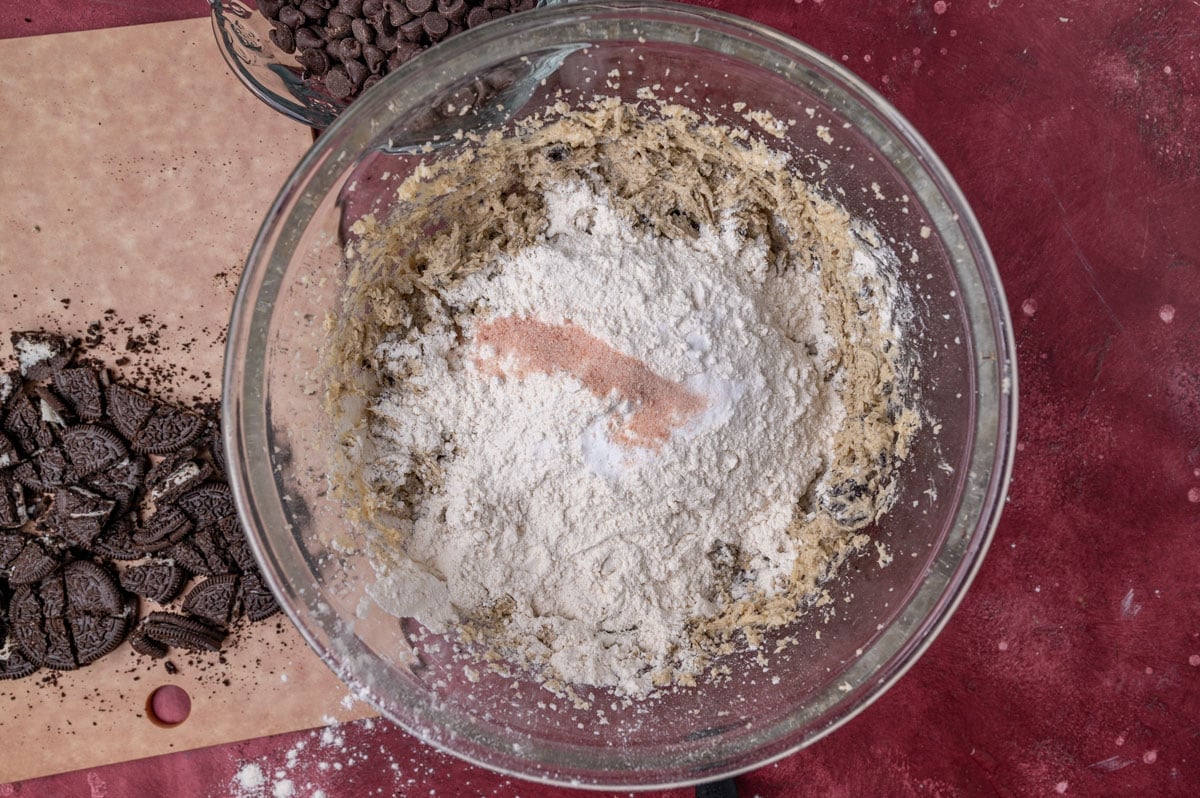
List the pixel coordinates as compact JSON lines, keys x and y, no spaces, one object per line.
{"x":952,"y":486}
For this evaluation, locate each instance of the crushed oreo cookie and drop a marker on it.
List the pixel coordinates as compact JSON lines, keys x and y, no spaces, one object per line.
{"x":108,"y":496}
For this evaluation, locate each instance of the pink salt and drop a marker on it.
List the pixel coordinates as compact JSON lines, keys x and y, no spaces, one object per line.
{"x":660,"y":405}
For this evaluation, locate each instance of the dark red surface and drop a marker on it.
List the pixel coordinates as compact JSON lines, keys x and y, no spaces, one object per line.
{"x":1073,"y":666}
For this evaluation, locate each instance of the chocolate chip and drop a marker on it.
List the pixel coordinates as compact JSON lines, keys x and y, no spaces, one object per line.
{"x":436,"y":26}
{"x":413,"y":30}
{"x":374,"y":59}
{"x":257,"y":600}
{"x":352,"y":7}
{"x":362,"y":31}
{"x":345,"y":50}
{"x":168,"y":429}
{"x":308,"y":38}
{"x":92,"y":448}
{"x":177,"y":630}
{"x":312,"y":9}
{"x":156,"y":581}
{"x":405,"y":51}
{"x":523,"y":5}
{"x":477,"y":16}
{"x":453,"y":10}
{"x":215,"y":599}
{"x":499,"y":12}
{"x":292,"y":17}
{"x":315,"y":62}
{"x":80,"y":387}
{"x":357,"y":71}
{"x":271,"y":8}
{"x":338,"y":83}
{"x":372,"y":9}
{"x":337,"y":25}
{"x":283,"y":38}
{"x":398,"y":13}
{"x":418,"y":7}
{"x":370,"y":81}
{"x":386,"y":42}
{"x":500,"y":79}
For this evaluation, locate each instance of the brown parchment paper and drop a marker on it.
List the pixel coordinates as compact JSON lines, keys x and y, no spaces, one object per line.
{"x":134,"y":173}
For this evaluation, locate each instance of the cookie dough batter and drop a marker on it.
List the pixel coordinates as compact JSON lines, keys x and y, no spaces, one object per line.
{"x":617,"y":392}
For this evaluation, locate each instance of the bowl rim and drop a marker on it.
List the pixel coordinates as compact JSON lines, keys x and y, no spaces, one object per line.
{"x":1001,"y":378}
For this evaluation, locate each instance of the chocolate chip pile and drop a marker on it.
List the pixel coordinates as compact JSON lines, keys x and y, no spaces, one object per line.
{"x":347,"y":46}
{"x":108,"y":496}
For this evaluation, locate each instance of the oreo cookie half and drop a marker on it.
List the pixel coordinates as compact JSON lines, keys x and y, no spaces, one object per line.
{"x":257,"y":600}
{"x":168,"y":429}
{"x":172,"y":629}
{"x":92,"y":448}
{"x":157,"y":581}
{"x":128,"y":409}
{"x":80,"y":387}
{"x":215,"y":599}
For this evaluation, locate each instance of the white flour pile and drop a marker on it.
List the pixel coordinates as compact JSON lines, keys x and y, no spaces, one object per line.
{"x":637,"y":399}
{"x":605,"y":545}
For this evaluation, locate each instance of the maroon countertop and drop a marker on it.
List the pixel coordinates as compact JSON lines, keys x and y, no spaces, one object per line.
{"x":1073,"y":665}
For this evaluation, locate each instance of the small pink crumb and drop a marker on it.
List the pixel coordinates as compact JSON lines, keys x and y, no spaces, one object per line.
{"x":1150,"y":757}
{"x":1003,"y":645}
{"x":1194,"y":495}
{"x":940,"y":7}
{"x":1029,"y":307}
{"x":1061,"y":787}
{"x":1120,"y":741}
{"x":1167,"y":313}
{"x":1194,"y":660}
